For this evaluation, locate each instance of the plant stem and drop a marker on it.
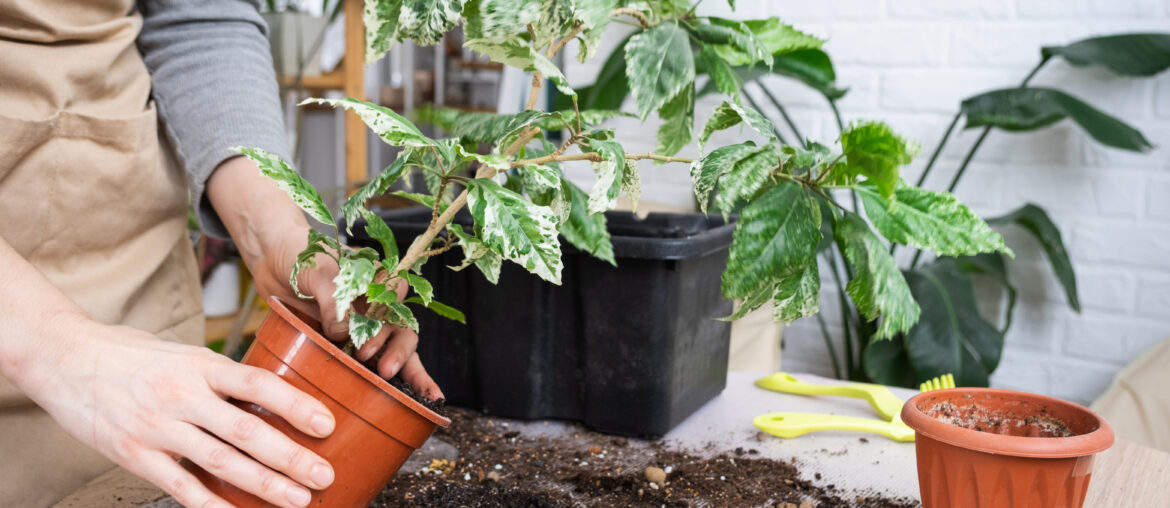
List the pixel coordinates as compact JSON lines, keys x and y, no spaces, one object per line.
{"x":938,"y":149}
{"x":784,"y":113}
{"x":633,"y":13}
{"x":829,"y":346}
{"x":846,"y":327}
{"x":837,"y":116}
{"x":756,"y":105}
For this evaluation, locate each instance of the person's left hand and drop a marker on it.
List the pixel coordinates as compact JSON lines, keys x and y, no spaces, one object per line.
{"x":269,"y":233}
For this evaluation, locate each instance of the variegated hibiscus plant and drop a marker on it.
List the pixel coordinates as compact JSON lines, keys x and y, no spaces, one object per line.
{"x":786,"y":197}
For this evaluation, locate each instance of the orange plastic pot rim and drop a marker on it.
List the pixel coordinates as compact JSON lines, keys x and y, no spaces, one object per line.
{"x":1095,"y":441}
{"x":284,"y":312}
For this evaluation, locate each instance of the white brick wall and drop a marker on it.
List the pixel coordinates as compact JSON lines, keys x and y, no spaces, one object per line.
{"x":910,"y":62}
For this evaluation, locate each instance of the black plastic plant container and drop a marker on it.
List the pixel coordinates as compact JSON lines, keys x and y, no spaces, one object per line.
{"x":631,"y":350}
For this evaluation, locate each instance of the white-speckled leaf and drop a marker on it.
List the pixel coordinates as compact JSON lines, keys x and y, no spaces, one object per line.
{"x":730,"y":114}
{"x":745,"y":177}
{"x":393,"y":128}
{"x":659,"y":63}
{"x":297,"y":188}
{"x":352,"y":281}
{"x":797,"y":295}
{"x":420,"y":285}
{"x":397,"y":313}
{"x":776,"y":235}
{"x":678,"y":122}
{"x":389,"y":22}
{"x":515,"y":52}
{"x":932,"y":220}
{"x":878,"y":287}
{"x":586,"y":231}
{"x":610,"y":174}
{"x":706,"y":172}
{"x":353,"y":206}
{"x":542,"y":183}
{"x":517,"y":229}
{"x":476,"y":253}
{"x":362,"y":329}
{"x":595,"y":15}
{"x":308,"y":258}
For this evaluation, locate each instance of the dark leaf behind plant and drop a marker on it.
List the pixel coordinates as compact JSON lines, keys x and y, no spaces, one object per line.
{"x":1026,"y":109}
{"x":1037,"y":222}
{"x":1141,"y":54}
{"x":993,"y":264}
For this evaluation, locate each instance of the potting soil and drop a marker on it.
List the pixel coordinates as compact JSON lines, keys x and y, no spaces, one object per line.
{"x":982,"y":419}
{"x":494,"y":465}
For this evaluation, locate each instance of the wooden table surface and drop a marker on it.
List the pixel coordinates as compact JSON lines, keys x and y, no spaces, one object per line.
{"x":1127,"y":475}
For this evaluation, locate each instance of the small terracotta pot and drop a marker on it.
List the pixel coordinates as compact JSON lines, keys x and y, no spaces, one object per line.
{"x":964,"y":468}
{"x":377,"y":428}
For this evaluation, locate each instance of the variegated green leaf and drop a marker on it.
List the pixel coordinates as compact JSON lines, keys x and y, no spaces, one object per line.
{"x":307,"y":258}
{"x":741,"y":46}
{"x":356,"y":203}
{"x":362,"y":329}
{"x":584,"y":230}
{"x":352,"y":280}
{"x":797,"y":295}
{"x":776,"y":235}
{"x":678,"y":122}
{"x":725,"y":78}
{"x":476,"y":253}
{"x":611,"y":173}
{"x":515,"y":52}
{"x":933,"y":220}
{"x":729,"y":114}
{"x":706,"y":171}
{"x":297,"y":188}
{"x":397,"y":313}
{"x":595,"y":15}
{"x":878,"y":287}
{"x":393,"y":128}
{"x":389,"y":22}
{"x":753,"y":301}
{"x":479,"y":126}
{"x":441,"y":309}
{"x":745,"y":177}
{"x":568,"y":119}
{"x":377,"y":229}
{"x":515,"y":228}
{"x":658,"y":64}
{"x":541,"y":182}
{"x":421,"y":286}
{"x":873,"y":150}
{"x":422,"y":199}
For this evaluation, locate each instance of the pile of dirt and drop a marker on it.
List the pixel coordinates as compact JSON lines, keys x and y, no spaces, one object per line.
{"x":976,"y":417}
{"x":501,"y":466}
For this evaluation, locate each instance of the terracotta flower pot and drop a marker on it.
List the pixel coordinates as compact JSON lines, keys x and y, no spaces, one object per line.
{"x":1001,"y":466}
{"x":377,"y":428}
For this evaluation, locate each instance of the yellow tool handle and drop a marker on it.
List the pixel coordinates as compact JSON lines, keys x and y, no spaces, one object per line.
{"x":884,"y":402}
{"x":789,"y":425}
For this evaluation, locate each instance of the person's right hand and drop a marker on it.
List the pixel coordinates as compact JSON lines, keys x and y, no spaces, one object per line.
{"x":144,"y":402}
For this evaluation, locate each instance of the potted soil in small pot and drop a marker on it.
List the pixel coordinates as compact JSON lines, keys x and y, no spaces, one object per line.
{"x":378,"y":426}
{"x":984,"y":447}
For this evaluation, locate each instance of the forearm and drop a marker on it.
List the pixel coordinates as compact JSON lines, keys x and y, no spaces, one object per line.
{"x":33,"y":312}
{"x":253,"y":209}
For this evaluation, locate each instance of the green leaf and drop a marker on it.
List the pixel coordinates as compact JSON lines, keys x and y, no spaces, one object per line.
{"x":877,"y":288}
{"x":441,"y":309}
{"x":1025,"y":109}
{"x":393,"y":128}
{"x":517,"y":53}
{"x":362,"y":329}
{"x":745,"y":177}
{"x":776,"y":235}
{"x":476,"y":253}
{"x":595,"y":15}
{"x":658,"y":64}
{"x":993,"y":265}
{"x":886,"y":362}
{"x":726,"y":79}
{"x":751,"y":302}
{"x":678,"y":119}
{"x":584,"y":230}
{"x":811,"y":67}
{"x":352,"y":281}
{"x":926,"y":219}
{"x":397,"y":314}
{"x":951,"y":337}
{"x":421,"y":286}
{"x":611,"y":174}
{"x":542,"y":183}
{"x":354,"y":206}
{"x":873,"y":150}
{"x":307,"y":258}
{"x":1037,"y":222}
{"x":778,"y":37}
{"x":297,"y":188}
{"x":377,"y":229}
{"x":1137,"y":54}
{"x":478,"y":126}
{"x":610,"y":89}
{"x":389,"y":22}
{"x":568,"y":119}
{"x":422,"y":199}
{"x":729,"y":115}
{"x":797,"y":295}
{"x":706,"y":171}
{"x":740,"y":45}
{"x":503,"y":18}
{"x":518,"y":230}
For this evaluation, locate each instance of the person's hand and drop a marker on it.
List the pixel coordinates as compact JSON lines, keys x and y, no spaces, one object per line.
{"x":270,"y":231}
{"x":144,"y":402}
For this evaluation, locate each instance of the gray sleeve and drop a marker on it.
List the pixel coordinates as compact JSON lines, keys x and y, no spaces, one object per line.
{"x":214,"y":86}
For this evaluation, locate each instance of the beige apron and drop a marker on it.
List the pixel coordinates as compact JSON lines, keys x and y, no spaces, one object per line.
{"x":89,"y":198}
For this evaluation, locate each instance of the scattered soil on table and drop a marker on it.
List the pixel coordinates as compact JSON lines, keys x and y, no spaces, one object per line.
{"x":502,"y":466}
{"x":976,"y":417}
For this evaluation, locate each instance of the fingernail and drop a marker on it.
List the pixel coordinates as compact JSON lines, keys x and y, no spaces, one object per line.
{"x":321,"y":474}
{"x":322,"y":424}
{"x":298,"y":495}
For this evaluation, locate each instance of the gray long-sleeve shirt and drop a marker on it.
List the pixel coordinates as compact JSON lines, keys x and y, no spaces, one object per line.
{"x":213,"y":85}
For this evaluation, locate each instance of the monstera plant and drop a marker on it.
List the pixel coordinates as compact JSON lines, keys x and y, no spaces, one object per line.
{"x":952,"y":335}
{"x":522,"y":206}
